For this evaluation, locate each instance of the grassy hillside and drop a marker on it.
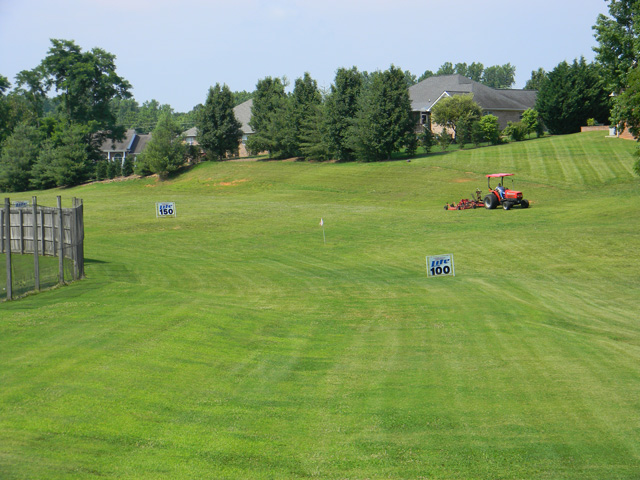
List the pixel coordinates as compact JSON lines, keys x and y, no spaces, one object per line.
{"x":231,"y":342}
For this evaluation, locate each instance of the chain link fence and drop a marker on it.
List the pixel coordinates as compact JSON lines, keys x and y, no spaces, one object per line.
{"x":40,"y":246}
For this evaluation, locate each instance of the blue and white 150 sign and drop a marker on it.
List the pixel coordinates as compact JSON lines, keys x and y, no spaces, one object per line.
{"x":440,"y":265}
{"x":165,"y":209}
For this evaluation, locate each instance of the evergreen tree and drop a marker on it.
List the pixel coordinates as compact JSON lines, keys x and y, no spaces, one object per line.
{"x":313,"y":144}
{"x":427,"y":139}
{"x":166,"y":151}
{"x":570,"y":95}
{"x":383,"y":121}
{"x":73,"y":155}
{"x":114,"y":168}
{"x":101,"y":170}
{"x":536,"y":80}
{"x":267,"y":116}
{"x":341,"y":107}
{"x":219,"y":131}
{"x":303,"y":105}
{"x":19,"y":153}
{"x":127,"y":166}
{"x":41,"y":173}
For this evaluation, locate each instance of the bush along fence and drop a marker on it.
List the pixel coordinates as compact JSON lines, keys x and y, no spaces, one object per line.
{"x":46,"y":234}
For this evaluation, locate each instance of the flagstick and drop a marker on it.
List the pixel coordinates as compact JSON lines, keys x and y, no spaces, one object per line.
{"x":323,"y":237}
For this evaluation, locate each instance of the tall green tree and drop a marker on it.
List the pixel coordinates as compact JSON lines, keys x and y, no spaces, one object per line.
{"x":570,"y":94}
{"x":536,"y":80}
{"x":219,"y":131}
{"x":383,"y":123}
{"x":67,"y":157}
{"x":30,"y":84}
{"x":313,"y":135}
{"x":341,"y":106}
{"x":149,"y":115}
{"x":20,"y":152}
{"x":450,"y":111}
{"x":126,"y":111}
{"x":268,"y":116}
{"x":626,"y":108}
{"x":618,"y":38}
{"x":446,"y":68}
{"x":499,"y":76}
{"x":425,"y":75}
{"x":85,"y":81}
{"x":5,"y":127}
{"x":303,"y":104}
{"x":473,"y":71}
{"x":166,"y":151}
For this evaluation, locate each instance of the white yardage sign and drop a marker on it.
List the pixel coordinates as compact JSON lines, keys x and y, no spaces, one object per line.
{"x":440,"y":265}
{"x":165,"y":209}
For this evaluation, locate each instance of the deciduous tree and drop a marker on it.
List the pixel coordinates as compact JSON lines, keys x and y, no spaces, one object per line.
{"x":618,"y":39}
{"x":499,"y":76}
{"x":86,"y":82}
{"x":450,"y":110}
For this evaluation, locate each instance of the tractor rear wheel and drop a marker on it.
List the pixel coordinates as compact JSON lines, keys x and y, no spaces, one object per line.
{"x":490,"y":201}
{"x":524,"y":203}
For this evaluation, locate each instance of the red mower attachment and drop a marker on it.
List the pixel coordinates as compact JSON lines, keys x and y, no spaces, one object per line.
{"x":465,"y":204}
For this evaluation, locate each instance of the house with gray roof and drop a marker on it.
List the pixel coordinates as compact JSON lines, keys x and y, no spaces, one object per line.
{"x":242,"y":113}
{"x":507,"y":105}
{"x":130,"y":146}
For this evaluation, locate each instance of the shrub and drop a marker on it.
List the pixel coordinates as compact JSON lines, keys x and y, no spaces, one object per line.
{"x":444,"y":140}
{"x":427,"y":139}
{"x":127,"y":167}
{"x":516,"y":131}
{"x":490,"y":129}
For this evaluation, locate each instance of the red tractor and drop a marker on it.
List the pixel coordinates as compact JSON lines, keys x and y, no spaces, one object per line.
{"x":503,"y":196}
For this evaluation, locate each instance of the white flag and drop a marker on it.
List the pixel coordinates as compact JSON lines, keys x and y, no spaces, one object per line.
{"x":321,"y":223}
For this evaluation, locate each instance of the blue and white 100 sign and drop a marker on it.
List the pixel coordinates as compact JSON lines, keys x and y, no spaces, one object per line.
{"x":165,"y":209}
{"x":440,"y":265}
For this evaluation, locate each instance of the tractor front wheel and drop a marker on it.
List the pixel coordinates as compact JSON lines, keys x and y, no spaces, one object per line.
{"x":524,"y":203}
{"x":506,"y":205}
{"x":490,"y":201}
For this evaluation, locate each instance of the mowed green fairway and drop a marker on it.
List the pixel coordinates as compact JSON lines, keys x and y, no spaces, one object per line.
{"x":231,"y":342}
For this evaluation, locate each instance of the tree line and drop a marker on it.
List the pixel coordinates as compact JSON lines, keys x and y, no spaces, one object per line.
{"x":56,"y":117}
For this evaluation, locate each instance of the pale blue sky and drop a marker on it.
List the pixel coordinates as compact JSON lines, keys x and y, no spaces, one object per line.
{"x":174,"y":51}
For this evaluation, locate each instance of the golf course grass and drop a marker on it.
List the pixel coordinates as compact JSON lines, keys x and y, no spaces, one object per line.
{"x":235,"y":341}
